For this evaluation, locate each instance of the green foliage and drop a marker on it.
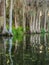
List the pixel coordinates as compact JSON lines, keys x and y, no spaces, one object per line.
{"x":42,"y":30}
{"x":18,"y":31}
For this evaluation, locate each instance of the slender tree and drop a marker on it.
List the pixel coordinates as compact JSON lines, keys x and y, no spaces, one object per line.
{"x":45,"y":17}
{"x":4,"y":28}
{"x":10,"y":16}
{"x":24,"y":21}
{"x":34,"y":16}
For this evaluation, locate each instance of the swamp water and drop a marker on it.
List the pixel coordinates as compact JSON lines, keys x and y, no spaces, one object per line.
{"x":25,"y":50}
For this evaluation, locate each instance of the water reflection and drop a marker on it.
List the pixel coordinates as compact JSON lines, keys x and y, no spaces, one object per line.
{"x":10,"y":50}
{"x":31,"y":50}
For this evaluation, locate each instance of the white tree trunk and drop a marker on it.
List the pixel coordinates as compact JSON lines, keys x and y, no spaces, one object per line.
{"x":48,"y":22}
{"x":45,"y":12}
{"x":34,"y":22}
{"x":45,"y":20}
{"x":31,"y":23}
{"x":39,"y":21}
{"x":24,"y":20}
{"x":10,"y":15}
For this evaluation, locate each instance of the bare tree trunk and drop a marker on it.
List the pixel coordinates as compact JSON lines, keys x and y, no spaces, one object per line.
{"x":4,"y":28}
{"x":39,"y":20}
{"x":31,"y":23}
{"x":15,"y":14}
{"x":15,"y":20}
{"x":45,"y":12}
{"x":45,"y":20}
{"x":10,"y":15}
{"x":48,"y":21}
{"x":24,"y":21}
{"x":37,"y":15}
{"x":1,"y":15}
{"x":34,"y":22}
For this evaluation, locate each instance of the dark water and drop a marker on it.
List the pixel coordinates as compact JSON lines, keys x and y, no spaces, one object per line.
{"x":28,"y":50}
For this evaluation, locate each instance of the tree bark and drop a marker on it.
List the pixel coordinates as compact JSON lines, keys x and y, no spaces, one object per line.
{"x":45,"y":14}
{"x":4,"y":27}
{"x":2,"y":14}
{"x":24,"y":21}
{"x":31,"y":23}
{"x":15,"y":21}
{"x":39,"y":20}
{"x":45,"y":22}
{"x":34,"y":22}
{"x":10,"y":15}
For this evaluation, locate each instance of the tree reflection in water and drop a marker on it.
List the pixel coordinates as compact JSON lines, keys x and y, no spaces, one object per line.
{"x":31,"y":50}
{"x":10,"y":48}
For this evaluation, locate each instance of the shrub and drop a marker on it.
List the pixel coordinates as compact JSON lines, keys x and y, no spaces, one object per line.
{"x":18,"y":31}
{"x":42,"y":30}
